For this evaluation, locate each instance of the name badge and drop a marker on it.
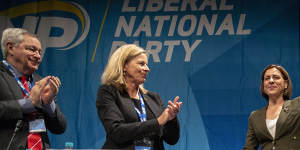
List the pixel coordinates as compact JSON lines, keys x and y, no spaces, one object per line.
{"x":37,"y":125}
{"x":142,"y":148}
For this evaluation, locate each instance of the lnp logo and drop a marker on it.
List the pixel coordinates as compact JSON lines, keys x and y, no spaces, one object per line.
{"x":51,"y":20}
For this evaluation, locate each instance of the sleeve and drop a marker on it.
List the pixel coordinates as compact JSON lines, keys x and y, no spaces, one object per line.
{"x":117,"y":128}
{"x":13,"y":107}
{"x":251,"y":140}
{"x":56,"y":123}
{"x":171,"y":131}
{"x":26,"y":105}
{"x":297,"y":100}
{"x":50,"y":108}
{"x":10,"y":108}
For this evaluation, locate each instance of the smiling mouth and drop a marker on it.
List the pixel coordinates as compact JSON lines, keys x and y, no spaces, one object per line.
{"x":34,"y":62}
{"x":272,"y":88}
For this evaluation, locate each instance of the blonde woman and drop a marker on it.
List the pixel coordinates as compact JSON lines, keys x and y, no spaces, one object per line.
{"x":133,"y":117}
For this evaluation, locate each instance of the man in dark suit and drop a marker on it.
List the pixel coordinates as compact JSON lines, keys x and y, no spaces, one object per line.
{"x":27,"y":101}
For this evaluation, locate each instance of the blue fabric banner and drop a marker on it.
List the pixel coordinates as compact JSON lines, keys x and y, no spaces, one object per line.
{"x":209,"y":52}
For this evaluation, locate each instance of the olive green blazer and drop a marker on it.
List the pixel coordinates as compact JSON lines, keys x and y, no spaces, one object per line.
{"x":287,"y":135}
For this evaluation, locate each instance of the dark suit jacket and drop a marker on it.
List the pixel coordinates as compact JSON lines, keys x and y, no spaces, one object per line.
{"x":11,"y":112}
{"x":287,"y":136}
{"x":122,"y":124}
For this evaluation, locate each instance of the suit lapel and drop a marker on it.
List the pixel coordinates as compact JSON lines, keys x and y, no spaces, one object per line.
{"x":12,"y":83}
{"x":261,"y":119}
{"x":128,"y":103}
{"x":280,"y":125}
{"x":152,"y":105}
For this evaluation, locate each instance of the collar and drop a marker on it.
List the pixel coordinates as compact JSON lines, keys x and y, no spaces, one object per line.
{"x":16,"y":72}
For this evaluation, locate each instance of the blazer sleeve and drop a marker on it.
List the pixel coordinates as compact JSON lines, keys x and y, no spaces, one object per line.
{"x":251,"y":139}
{"x":9,"y":94}
{"x":171,"y":130}
{"x":10,"y":110}
{"x":56,"y":124}
{"x":117,"y":128}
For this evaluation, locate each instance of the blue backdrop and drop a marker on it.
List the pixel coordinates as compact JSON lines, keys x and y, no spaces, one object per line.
{"x":208,"y":52}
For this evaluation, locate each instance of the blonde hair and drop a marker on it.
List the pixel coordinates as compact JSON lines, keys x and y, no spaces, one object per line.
{"x":114,"y":70}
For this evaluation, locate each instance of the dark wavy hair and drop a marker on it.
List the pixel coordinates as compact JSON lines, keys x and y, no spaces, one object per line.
{"x":287,"y":92}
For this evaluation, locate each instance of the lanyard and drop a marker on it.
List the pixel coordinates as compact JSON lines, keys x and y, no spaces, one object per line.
{"x":142,"y":116}
{"x":9,"y":67}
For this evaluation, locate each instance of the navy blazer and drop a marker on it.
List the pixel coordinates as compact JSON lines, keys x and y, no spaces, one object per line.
{"x":287,"y":134}
{"x":122,"y":124}
{"x":11,"y":112}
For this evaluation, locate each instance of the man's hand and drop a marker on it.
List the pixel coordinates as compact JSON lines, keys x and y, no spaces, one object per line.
{"x":50,"y":90}
{"x":44,"y":90}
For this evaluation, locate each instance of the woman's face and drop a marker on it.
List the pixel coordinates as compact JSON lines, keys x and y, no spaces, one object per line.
{"x":274,"y":84}
{"x":136,"y":70}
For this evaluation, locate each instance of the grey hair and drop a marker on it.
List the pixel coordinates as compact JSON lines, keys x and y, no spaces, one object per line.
{"x":13,"y":35}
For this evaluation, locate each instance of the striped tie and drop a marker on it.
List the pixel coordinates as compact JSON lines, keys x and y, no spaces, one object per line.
{"x":34,"y":141}
{"x":25,"y":84}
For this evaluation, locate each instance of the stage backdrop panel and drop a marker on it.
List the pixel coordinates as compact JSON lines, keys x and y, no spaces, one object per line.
{"x":208,"y":52}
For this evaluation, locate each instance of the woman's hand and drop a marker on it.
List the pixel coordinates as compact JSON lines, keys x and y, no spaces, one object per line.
{"x":174,"y":108}
{"x":171,"y":112}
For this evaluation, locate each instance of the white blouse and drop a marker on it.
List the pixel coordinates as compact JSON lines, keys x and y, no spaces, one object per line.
{"x":271,"y":125}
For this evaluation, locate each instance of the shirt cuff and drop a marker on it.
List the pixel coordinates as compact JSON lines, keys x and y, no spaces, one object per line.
{"x":26,"y":105}
{"x":50,"y":109}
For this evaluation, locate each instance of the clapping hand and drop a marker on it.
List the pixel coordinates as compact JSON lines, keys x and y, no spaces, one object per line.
{"x":45,"y":90}
{"x":174,"y":108}
{"x":171,"y":112}
{"x":50,"y":90}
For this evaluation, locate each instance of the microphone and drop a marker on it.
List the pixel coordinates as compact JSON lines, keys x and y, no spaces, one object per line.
{"x":18,"y":126}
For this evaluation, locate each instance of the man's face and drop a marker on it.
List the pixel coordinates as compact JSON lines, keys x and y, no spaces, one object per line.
{"x":26,"y":57}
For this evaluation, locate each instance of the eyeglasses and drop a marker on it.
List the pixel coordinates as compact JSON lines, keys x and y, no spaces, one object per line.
{"x":33,"y":49}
